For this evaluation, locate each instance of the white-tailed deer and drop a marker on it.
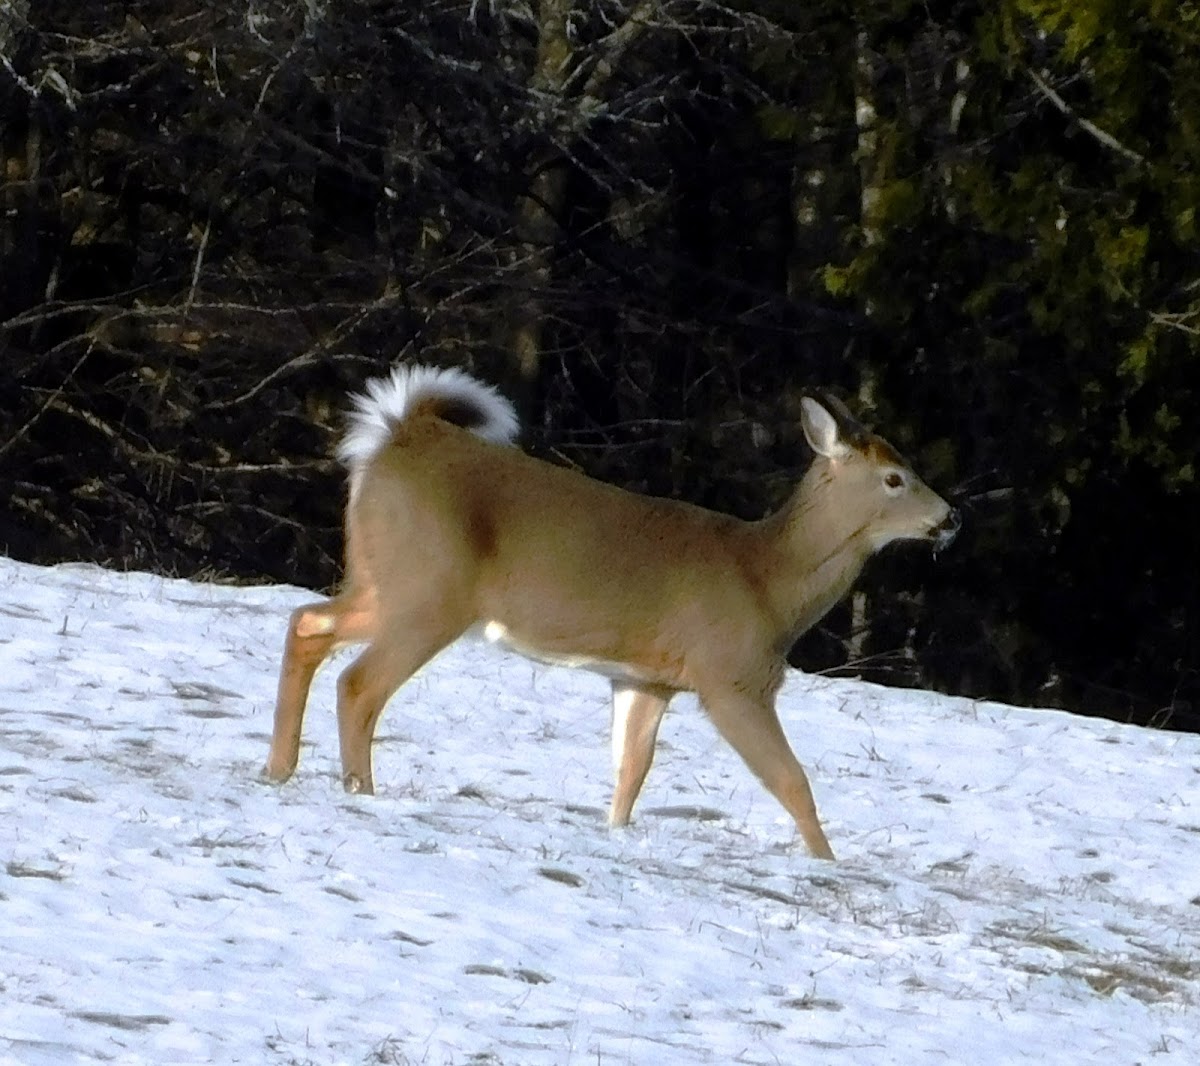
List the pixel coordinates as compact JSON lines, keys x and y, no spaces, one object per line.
{"x":449,"y":527}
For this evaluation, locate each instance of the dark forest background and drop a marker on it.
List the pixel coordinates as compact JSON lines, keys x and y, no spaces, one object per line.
{"x":653,"y":224}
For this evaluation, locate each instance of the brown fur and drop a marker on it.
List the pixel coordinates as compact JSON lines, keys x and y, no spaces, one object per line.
{"x":447,"y":532}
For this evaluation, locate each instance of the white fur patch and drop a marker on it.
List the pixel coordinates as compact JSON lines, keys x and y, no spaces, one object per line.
{"x":495,"y":633}
{"x":314,"y":624}
{"x":388,"y":400}
{"x":623,"y":699}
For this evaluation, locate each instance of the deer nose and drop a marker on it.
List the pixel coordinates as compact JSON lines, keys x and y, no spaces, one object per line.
{"x":946,"y":530}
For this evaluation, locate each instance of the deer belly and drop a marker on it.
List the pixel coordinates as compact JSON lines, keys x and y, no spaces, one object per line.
{"x":499,"y":634}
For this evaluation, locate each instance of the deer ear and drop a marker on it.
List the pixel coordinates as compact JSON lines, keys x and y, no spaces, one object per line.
{"x":821,"y":429}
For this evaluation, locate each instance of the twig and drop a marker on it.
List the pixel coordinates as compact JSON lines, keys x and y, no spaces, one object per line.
{"x":1180,"y":320}
{"x":315,"y":352}
{"x":98,"y":424}
{"x":191,"y":297}
{"x":162,"y":459}
{"x":616,"y":45}
{"x":1105,"y":138}
{"x":21,"y":433}
{"x":46,"y":312}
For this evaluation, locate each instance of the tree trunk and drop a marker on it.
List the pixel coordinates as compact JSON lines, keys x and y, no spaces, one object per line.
{"x":872,"y":167}
{"x":539,"y":210}
{"x":566,"y":104}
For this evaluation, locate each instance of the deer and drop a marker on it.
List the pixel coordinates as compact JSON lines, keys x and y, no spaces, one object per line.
{"x":451,"y":529}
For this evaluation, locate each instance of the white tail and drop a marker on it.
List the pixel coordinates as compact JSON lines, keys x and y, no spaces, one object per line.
{"x":448,"y":529}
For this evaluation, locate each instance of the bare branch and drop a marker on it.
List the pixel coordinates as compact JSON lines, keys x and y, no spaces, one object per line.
{"x":316,"y":352}
{"x":1105,"y":138}
{"x":23,"y":431}
{"x":616,"y":45}
{"x":1184,"y":321}
{"x":147,"y":457}
{"x":191,"y":297}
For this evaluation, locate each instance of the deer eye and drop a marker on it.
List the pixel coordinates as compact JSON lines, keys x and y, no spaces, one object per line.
{"x":893,"y":481}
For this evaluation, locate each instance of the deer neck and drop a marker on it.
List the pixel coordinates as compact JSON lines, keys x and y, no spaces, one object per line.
{"x":815,"y":554}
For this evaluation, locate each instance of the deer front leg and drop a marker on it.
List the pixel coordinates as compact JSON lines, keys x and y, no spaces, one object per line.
{"x":751,"y":726}
{"x":637,"y":713}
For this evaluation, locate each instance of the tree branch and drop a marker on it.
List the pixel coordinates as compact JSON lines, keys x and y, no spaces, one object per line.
{"x":23,"y":431}
{"x":1105,"y":138}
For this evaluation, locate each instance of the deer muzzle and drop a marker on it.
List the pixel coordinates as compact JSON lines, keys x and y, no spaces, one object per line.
{"x":946,"y":530}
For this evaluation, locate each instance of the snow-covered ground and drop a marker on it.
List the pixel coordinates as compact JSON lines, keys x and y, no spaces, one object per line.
{"x":1013,"y":885}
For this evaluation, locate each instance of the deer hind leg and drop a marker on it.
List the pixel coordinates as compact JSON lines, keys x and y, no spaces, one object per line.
{"x":314,"y":631}
{"x":365,"y":686}
{"x":637,"y":713}
{"x":752,"y":727}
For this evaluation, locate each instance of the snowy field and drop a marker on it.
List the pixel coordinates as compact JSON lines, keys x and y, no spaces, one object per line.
{"x":1014,"y":886}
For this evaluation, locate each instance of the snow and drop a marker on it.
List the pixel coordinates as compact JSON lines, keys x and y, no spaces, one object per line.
{"x":1012,"y":886}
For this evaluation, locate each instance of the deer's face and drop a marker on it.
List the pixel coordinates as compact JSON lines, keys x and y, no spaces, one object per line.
{"x":873,"y":489}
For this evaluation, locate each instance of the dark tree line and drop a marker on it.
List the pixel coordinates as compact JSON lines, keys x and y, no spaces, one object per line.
{"x":655,"y":224}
